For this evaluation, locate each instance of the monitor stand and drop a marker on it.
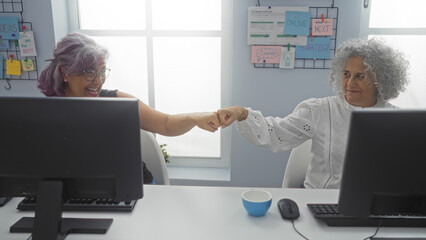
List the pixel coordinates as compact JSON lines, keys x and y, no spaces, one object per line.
{"x":48,"y":223}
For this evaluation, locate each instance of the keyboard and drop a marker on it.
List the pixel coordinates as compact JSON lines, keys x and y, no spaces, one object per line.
{"x":4,"y":200}
{"x":332,"y":217}
{"x":101,"y":205}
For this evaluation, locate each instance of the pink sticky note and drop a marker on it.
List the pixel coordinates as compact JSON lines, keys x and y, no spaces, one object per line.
{"x":320,"y":28}
{"x":265,"y":54}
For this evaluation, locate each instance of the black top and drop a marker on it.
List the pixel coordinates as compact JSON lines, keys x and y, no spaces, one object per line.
{"x":147,"y":175}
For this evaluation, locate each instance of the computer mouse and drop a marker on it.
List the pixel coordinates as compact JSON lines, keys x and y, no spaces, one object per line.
{"x":288,"y":209}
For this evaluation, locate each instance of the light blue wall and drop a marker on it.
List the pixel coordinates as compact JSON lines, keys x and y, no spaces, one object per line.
{"x":273,"y":91}
{"x":39,"y":13}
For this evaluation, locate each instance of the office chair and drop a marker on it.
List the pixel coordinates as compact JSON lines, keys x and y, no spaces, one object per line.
{"x":153,"y":158}
{"x":297,"y":165}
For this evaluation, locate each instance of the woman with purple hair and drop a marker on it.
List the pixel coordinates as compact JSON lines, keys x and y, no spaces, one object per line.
{"x":78,"y":69}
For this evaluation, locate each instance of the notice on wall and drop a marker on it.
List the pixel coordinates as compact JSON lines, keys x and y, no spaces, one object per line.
{"x":266,"y":26}
{"x":322,"y":28}
{"x":297,"y":23}
{"x":26,"y":44}
{"x":9,"y":28}
{"x":287,"y":57}
{"x":27,"y":65}
{"x":318,"y":47}
{"x":13,"y":67}
{"x":265,"y":54}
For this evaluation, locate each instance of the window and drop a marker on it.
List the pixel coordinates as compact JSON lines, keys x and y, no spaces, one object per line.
{"x":174,"y":56}
{"x":401,"y":25}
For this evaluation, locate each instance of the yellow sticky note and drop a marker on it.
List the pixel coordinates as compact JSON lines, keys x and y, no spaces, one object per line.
{"x":27,"y":65}
{"x":13,"y":67}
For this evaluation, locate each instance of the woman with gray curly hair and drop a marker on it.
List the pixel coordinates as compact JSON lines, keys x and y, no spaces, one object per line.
{"x":364,"y":73}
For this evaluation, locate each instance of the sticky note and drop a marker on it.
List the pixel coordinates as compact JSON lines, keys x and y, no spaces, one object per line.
{"x":26,"y":44}
{"x":320,"y":28}
{"x":318,"y":47}
{"x":27,"y":65}
{"x":4,"y":44}
{"x":287,"y":57}
{"x":297,"y":23}
{"x":9,"y":28}
{"x":265,"y":54}
{"x":13,"y":67}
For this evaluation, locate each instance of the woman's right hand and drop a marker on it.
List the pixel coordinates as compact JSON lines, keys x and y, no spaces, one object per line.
{"x":228,"y":115}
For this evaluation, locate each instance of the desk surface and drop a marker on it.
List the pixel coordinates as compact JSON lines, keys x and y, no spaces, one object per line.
{"x":182,"y":212}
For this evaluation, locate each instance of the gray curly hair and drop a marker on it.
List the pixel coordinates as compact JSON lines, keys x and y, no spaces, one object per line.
{"x":388,"y":66}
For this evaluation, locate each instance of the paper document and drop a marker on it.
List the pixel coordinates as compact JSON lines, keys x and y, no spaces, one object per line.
{"x":27,"y":65}
{"x":266,"y":26}
{"x":322,"y":27}
{"x":13,"y":67}
{"x":265,"y":54}
{"x":318,"y":47}
{"x":287,"y":57}
{"x":26,"y":44}
{"x":9,"y":27}
{"x":297,"y":23}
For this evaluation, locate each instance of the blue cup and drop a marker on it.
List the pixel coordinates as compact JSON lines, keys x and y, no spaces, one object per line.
{"x":256,"y":202}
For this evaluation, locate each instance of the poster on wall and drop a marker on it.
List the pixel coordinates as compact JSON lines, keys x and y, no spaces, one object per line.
{"x":9,"y":28}
{"x":26,"y":44}
{"x":265,"y":54}
{"x":317,"y":48}
{"x":266,"y":26}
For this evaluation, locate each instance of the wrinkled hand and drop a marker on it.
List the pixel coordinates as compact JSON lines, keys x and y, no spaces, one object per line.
{"x":228,"y":115}
{"x":208,"y":121}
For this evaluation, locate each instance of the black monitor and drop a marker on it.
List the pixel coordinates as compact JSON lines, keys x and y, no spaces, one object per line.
{"x":384,"y":171}
{"x":60,"y":148}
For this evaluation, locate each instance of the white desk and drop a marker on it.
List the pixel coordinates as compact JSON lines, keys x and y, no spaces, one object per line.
{"x":181,"y":212}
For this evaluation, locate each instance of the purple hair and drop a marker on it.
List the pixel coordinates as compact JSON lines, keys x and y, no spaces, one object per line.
{"x":75,"y":52}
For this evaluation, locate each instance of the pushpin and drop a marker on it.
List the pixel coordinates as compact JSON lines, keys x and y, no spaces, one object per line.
{"x":312,"y":37}
{"x":16,"y":43}
{"x":24,"y":28}
{"x":11,"y":57}
{"x":322,"y":17}
{"x":269,"y":7}
{"x":288,"y":47}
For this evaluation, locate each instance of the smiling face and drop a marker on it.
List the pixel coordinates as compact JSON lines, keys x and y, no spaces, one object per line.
{"x":78,"y":86}
{"x":358,"y":83}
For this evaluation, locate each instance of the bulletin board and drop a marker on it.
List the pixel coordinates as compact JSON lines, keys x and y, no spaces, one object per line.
{"x":313,"y":63}
{"x":16,"y":49}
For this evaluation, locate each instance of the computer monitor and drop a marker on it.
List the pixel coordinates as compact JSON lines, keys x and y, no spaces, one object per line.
{"x":59,"y":148}
{"x":385,"y":164}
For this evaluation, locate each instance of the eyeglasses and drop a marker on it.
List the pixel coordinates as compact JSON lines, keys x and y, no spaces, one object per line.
{"x":91,"y":75}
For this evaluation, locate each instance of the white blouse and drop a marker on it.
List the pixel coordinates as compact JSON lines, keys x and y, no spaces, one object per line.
{"x":324,"y":120}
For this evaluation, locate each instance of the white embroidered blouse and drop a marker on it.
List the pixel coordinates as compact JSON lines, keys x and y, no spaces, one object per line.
{"x":324,"y":120}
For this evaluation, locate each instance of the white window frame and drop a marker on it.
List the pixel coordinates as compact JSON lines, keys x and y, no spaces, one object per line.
{"x":365,"y":29}
{"x":226,"y":59}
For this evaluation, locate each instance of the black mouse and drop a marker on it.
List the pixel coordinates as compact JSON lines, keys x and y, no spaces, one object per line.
{"x":288,"y":209}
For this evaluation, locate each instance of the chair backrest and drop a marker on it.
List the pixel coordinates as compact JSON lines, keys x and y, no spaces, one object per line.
{"x":153,"y":158}
{"x":297,"y":165}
